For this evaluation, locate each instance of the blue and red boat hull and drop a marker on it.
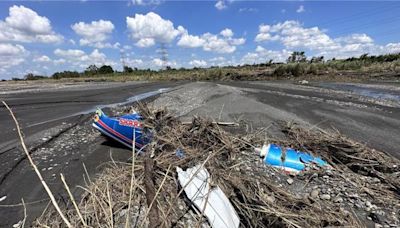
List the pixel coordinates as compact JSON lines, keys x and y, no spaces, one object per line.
{"x":121,"y":129}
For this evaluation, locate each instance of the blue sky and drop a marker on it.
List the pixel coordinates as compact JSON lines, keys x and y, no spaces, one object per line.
{"x":47,"y":36}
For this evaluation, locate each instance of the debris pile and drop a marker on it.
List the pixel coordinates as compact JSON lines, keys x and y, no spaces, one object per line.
{"x":360,"y":189}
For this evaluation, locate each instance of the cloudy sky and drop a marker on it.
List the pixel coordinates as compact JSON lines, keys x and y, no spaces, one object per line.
{"x":47,"y":36}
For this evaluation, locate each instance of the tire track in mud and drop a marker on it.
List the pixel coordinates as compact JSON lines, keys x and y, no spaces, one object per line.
{"x":82,"y":119}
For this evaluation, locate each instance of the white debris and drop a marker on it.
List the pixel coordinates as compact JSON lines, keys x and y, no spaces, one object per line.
{"x":216,"y":205}
{"x":17,"y":225}
{"x":3,"y":198}
{"x":303,"y":82}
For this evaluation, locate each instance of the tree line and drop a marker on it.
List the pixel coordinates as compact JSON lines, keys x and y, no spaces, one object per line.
{"x":296,"y":64}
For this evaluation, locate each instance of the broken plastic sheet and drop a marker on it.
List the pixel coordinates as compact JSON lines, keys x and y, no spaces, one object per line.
{"x":218,"y":210}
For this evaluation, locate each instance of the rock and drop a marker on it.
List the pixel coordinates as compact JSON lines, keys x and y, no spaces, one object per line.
{"x":338,"y":199}
{"x":314,"y":193}
{"x":290,"y":181}
{"x":3,"y":198}
{"x":325,"y":197}
{"x":378,"y":225}
{"x":303,"y":82}
{"x":325,"y":176}
{"x":368,"y":204}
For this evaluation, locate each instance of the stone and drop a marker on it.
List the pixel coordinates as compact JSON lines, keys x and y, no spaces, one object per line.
{"x":325,"y":197}
{"x":290,"y":181}
{"x":314,"y":193}
{"x":338,"y":199}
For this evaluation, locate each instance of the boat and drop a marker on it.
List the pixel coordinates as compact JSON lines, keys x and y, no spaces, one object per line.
{"x":121,"y":129}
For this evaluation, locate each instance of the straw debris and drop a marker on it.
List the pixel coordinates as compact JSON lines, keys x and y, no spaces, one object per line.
{"x":362,"y":186}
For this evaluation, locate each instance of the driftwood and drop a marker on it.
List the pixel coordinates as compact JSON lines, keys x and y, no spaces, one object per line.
{"x":151,"y":192}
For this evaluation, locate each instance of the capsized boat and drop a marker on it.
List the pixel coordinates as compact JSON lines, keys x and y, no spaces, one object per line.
{"x":121,"y":128}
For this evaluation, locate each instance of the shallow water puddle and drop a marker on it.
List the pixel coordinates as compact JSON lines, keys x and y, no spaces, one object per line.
{"x":377,"y":93}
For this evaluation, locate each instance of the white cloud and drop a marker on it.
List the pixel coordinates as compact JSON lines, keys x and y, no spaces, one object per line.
{"x":94,"y":34}
{"x":211,"y":42}
{"x":260,"y":49}
{"x":42,"y":59}
{"x":25,"y":25}
{"x":220,"y":5}
{"x":355,"y":38}
{"x":301,"y":9}
{"x":59,"y":61}
{"x":226,"y":32}
{"x":145,"y":42}
{"x":393,"y":47}
{"x":264,"y":34}
{"x":160,"y":63}
{"x":294,"y":36}
{"x":215,"y":44}
{"x":189,"y":41}
{"x":70,"y":53}
{"x":79,"y":58}
{"x":11,"y":55}
{"x":150,"y":29}
{"x":134,"y":62}
{"x":262,"y":55}
{"x":198,"y":63}
{"x":238,"y":41}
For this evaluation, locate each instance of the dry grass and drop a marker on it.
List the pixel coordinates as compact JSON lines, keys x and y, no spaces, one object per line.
{"x":258,"y":200}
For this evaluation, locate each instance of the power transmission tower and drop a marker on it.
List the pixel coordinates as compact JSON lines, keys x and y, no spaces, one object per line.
{"x":164,"y":56}
{"x":123,"y":58}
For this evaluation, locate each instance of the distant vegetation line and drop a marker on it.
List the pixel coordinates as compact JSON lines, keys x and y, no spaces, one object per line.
{"x":296,"y":65}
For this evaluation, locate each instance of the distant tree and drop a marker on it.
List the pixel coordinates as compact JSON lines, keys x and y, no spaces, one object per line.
{"x":106,"y":69}
{"x":364,"y":56}
{"x":31,"y":76}
{"x":297,"y":57}
{"x":128,"y":69}
{"x":91,"y":70}
{"x":66,"y":74}
{"x":319,"y":59}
